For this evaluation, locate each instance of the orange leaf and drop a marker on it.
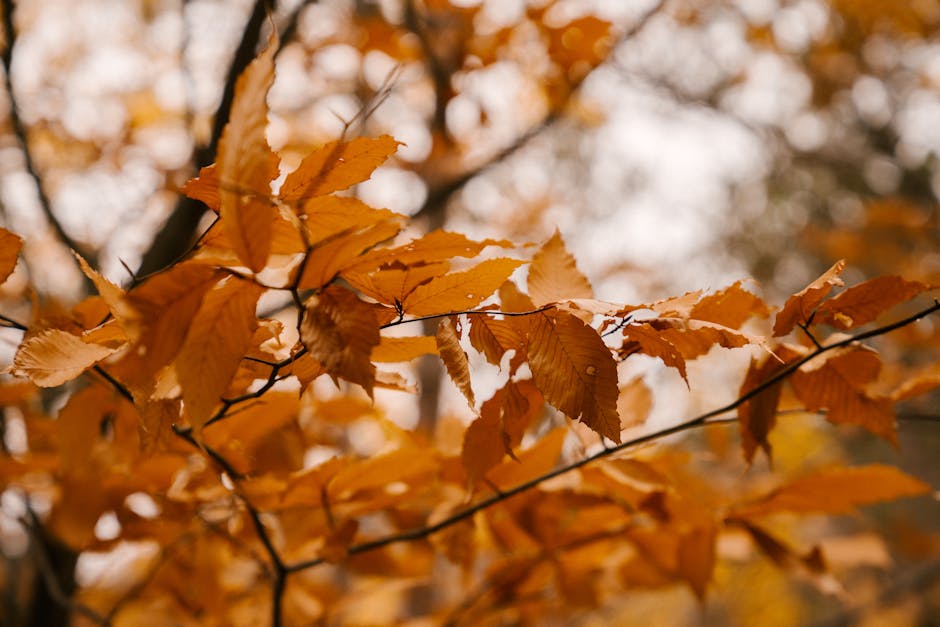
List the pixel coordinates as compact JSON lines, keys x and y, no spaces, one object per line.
{"x":158,"y":313}
{"x":800,"y":306}
{"x":840,"y":384}
{"x":554,"y":274}
{"x":406,"y":465}
{"x":758,"y":415}
{"x":52,"y":357}
{"x":918,"y":383}
{"x":110,"y":293}
{"x":340,"y":331}
{"x":574,"y":370}
{"x":694,"y":338}
{"x":454,"y":357}
{"x":460,"y":290}
{"x":494,"y":338}
{"x":329,"y":215}
{"x":484,"y":443}
{"x":156,"y":422}
{"x":246,"y":165}
{"x":219,"y":336}
{"x":330,"y":257}
{"x":533,"y":462}
{"x":434,"y":247}
{"x":634,"y":402}
{"x":863,"y":303}
{"x":205,"y":187}
{"x":10,"y":246}
{"x":394,"y":284}
{"x":305,"y":368}
{"x":642,"y":337}
{"x":392,"y":349}
{"x":337,"y":166}
{"x":837,"y":491}
{"x":696,"y":557}
{"x":730,"y":307}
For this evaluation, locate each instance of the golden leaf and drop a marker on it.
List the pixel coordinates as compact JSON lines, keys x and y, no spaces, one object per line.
{"x":52,"y":357}
{"x":574,"y":370}
{"x":246,"y":165}
{"x":340,"y":331}
{"x":800,"y":306}
{"x":454,"y":357}
{"x":392,"y":349}
{"x":862,"y":303}
{"x":554,"y":274}
{"x":730,"y":307}
{"x":337,"y":166}
{"x":219,"y":336}
{"x":460,"y":290}
{"x":330,"y":257}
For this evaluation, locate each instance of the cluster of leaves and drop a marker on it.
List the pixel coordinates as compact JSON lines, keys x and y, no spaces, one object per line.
{"x":253,"y":493}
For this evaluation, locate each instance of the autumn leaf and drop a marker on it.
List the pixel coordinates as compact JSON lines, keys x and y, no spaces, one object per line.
{"x":554,"y":274}
{"x":434,"y":247}
{"x":484,"y":443}
{"x":696,"y":557}
{"x":454,"y":357}
{"x":574,"y":370}
{"x":219,"y":336}
{"x":110,"y":293}
{"x":52,"y":357}
{"x":757,"y":416}
{"x":246,"y":165}
{"x":10,"y":246}
{"x":460,"y":290}
{"x":642,"y":337}
{"x":839,"y":382}
{"x":393,"y":285}
{"x":340,"y":331}
{"x":494,"y":338}
{"x":799,"y":308}
{"x":634,"y":402}
{"x":729,"y":307}
{"x":326,"y":216}
{"x":330,"y":257}
{"x":393,"y":349}
{"x":336,"y":166}
{"x":205,"y":187}
{"x":862,"y":303}
{"x":837,"y":491}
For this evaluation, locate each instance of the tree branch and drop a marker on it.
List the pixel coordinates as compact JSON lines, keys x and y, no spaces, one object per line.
{"x":697,"y":421}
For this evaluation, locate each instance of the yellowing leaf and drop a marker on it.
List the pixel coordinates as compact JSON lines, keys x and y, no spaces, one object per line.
{"x":246,"y":165}
{"x":460,"y":290}
{"x":863,"y":303}
{"x":554,"y":274}
{"x":331,"y":257}
{"x":394,"y":284}
{"x":494,"y":338}
{"x":392,"y":349}
{"x":840,"y":384}
{"x":52,"y":357}
{"x":484,"y":443}
{"x":642,"y":337}
{"x":837,"y":491}
{"x":110,"y":293}
{"x":730,"y":307}
{"x":10,"y":246}
{"x":800,"y":306}
{"x":157,"y":315}
{"x":205,"y":187}
{"x":219,"y":336}
{"x":454,"y":357}
{"x":337,"y":166}
{"x":574,"y":370}
{"x":340,"y":331}
{"x":326,"y":216}
{"x":434,"y":247}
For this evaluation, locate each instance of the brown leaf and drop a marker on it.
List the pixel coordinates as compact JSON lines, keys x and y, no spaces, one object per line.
{"x":696,"y":557}
{"x":694,"y":338}
{"x":454,"y":357}
{"x":554,"y":274}
{"x":460,"y":290}
{"x":156,"y":422}
{"x":758,"y":415}
{"x":10,"y":246}
{"x":246,"y":165}
{"x":332,"y":256}
{"x":860,"y":304}
{"x":920,"y":382}
{"x":840,"y":384}
{"x":730,"y":307}
{"x":800,"y":306}
{"x":337,"y":166}
{"x":574,"y":370}
{"x":837,"y":491}
{"x":393,"y":349}
{"x":52,"y":357}
{"x":484,"y":443}
{"x":634,"y":402}
{"x":326,"y":216}
{"x":110,"y":293}
{"x":340,"y":331}
{"x":394,"y":284}
{"x":642,"y":337}
{"x":219,"y":336}
{"x":494,"y":338}
{"x":205,"y":187}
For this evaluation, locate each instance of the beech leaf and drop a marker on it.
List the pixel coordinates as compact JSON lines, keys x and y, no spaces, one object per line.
{"x":460,"y":290}
{"x":800,"y":307}
{"x":336,"y":166}
{"x":454,"y":357}
{"x":394,"y":349}
{"x":862,"y":303}
{"x":574,"y":370}
{"x":554,"y":274}
{"x":52,"y":357}
{"x":730,"y":307}
{"x":10,"y":246}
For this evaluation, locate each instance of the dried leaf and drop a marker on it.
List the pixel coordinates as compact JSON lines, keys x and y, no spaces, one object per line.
{"x":634,"y":402}
{"x":10,"y":246}
{"x":459,"y":291}
{"x":642,"y":337}
{"x":330,"y":257}
{"x":554,"y":274}
{"x":337,"y":166}
{"x":863,"y":303}
{"x":840,"y":384}
{"x":394,"y":349}
{"x":696,"y":557}
{"x":393,"y":285}
{"x":484,"y":443}
{"x":454,"y":357}
{"x":219,"y":336}
{"x":837,"y":491}
{"x":110,"y":293}
{"x":340,"y":331}
{"x":437,"y":246}
{"x":800,"y":307}
{"x":758,"y":415}
{"x":920,"y":382}
{"x":730,"y":307}
{"x":246,"y":165}
{"x":205,"y":187}
{"x":52,"y":357}
{"x":574,"y":370}
{"x":494,"y":338}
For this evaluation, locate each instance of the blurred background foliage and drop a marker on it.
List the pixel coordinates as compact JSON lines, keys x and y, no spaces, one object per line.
{"x":677,"y":144}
